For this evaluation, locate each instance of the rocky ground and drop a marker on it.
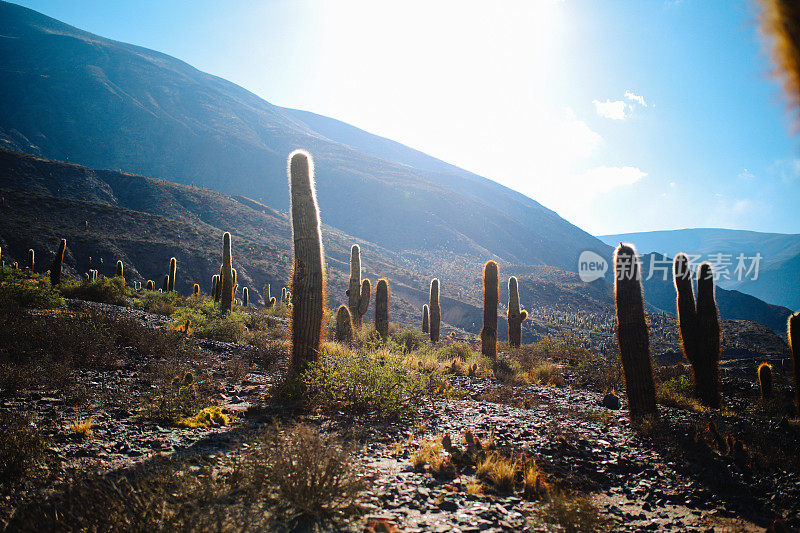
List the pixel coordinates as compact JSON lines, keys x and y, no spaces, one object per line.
{"x":673,"y":476}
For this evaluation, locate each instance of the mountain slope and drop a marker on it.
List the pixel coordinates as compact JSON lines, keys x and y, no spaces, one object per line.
{"x":778,"y":270}
{"x":74,"y":96}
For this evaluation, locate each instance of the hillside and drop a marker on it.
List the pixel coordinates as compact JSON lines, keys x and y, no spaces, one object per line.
{"x":70,"y":95}
{"x":778,"y":270}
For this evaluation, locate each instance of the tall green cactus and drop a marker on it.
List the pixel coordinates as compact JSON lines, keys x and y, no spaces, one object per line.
{"x":173,"y":266}
{"x":793,"y":333}
{"x":632,"y":335}
{"x":245,"y":297}
{"x":382,"y":308}
{"x":269,"y":300}
{"x":308,"y":272}
{"x":58,"y":263}
{"x":120,"y":270}
{"x":227,"y":282}
{"x":425,"y":319}
{"x":344,"y":325}
{"x":358,"y":292}
{"x":516,"y":314}
{"x":699,"y":327}
{"x":491,"y":300}
{"x":435,"y":310}
{"x":31,"y":257}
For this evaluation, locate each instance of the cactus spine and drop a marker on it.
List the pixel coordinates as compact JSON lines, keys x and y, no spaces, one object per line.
{"x":31,"y":262}
{"x":358,"y":291}
{"x":269,"y":300}
{"x":120,"y":270}
{"x":58,"y":263}
{"x":344,"y":325}
{"x":196,"y":289}
{"x":435,"y":310}
{"x":765,"y":380}
{"x":491,"y":300}
{"x":226,"y":279}
{"x":793,"y":334}
{"x":245,"y":297}
{"x":632,"y":335}
{"x":382,"y":308}
{"x":308,"y":272}
{"x":425,"y":319}
{"x":698,"y":323}
{"x":516,"y":314}
{"x":173,"y":266}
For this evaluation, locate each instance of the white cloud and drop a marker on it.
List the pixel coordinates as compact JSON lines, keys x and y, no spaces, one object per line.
{"x":601,"y":179}
{"x":613,"y":109}
{"x":635,"y":98}
{"x":745,"y":175}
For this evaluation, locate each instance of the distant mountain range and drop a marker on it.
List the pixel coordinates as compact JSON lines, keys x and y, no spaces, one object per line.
{"x":778,"y":272}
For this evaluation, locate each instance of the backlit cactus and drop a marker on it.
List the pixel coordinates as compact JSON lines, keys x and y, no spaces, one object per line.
{"x":765,"y":380}
{"x":283,"y":295}
{"x":150,"y":285}
{"x":516,"y":315}
{"x":245,"y":297}
{"x":196,"y":290}
{"x":435,"y":310}
{"x":344,"y":325}
{"x":173,"y":266}
{"x":358,"y":292}
{"x":165,"y":284}
{"x":216,"y":289}
{"x":632,"y":335}
{"x":58,"y":263}
{"x":226,"y":278}
{"x":120,"y":270}
{"x":382,"y":308}
{"x":793,"y":328}
{"x":698,"y":323}
{"x":308,"y":272}
{"x":491,"y":300}
{"x":31,"y":257}
{"x":425,"y":319}
{"x":269,"y":300}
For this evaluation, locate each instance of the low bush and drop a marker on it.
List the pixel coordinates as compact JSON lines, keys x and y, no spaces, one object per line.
{"x":23,"y":289}
{"x":22,"y":446}
{"x":103,"y":289}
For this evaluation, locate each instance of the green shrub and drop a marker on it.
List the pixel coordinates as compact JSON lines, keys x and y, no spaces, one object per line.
{"x":103,"y":289}
{"x":410,"y":338}
{"x":23,"y":289}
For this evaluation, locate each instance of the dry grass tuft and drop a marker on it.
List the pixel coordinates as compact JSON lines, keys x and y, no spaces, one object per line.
{"x":82,"y":427}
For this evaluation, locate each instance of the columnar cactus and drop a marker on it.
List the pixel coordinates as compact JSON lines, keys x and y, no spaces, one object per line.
{"x":344,"y":325}
{"x":698,"y":323}
{"x":359,"y":292}
{"x":269,"y":300}
{"x":765,"y":380}
{"x":516,"y":315}
{"x":308,"y":272}
{"x":165,"y":284}
{"x":793,"y":334}
{"x":245,"y":297}
{"x":150,"y":285}
{"x":120,"y":270}
{"x":226,"y":279}
{"x":382,"y":308}
{"x":216,"y":288}
{"x":283,"y":295}
{"x":425,"y":319}
{"x":58,"y":263}
{"x":632,"y":335}
{"x":491,"y":300}
{"x":31,"y":262}
{"x":196,"y":289}
{"x":173,"y":266}
{"x":435,"y":310}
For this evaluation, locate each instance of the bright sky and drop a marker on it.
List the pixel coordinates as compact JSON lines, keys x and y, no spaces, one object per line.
{"x":620,"y":115}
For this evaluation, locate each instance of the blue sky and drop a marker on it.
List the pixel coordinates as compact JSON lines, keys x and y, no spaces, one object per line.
{"x":620,"y":115}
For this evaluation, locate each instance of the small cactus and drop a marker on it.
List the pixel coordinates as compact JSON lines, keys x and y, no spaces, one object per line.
{"x":516,"y":315}
{"x":226,"y":278}
{"x":58,"y":263}
{"x":31,"y":257}
{"x":344,"y":325}
{"x":196,"y":289}
{"x":359,"y":292}
{"x":382,"y":308}
{"x":245,"y":297}
{"x":491,"y":300}
{"x":632,"y":335}
{"x":165,"y":284}
{"x":120,"y":270}
{"x":793,"y":333}
{"x":425,"y":319}
{"x":308,"y":272}
{"x":173,"y":266}
{"x":150,"y":285}
{"x":269,"y":300}
{"x":283,"y":295}
{"x":435,"y":310}
{"x":765,"y":380}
